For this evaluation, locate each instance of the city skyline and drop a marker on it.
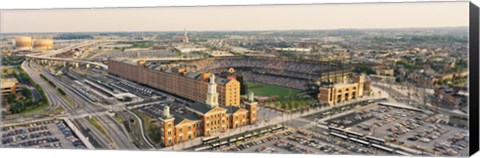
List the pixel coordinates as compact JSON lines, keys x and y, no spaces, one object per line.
{"x":259,"y":18}
{"x":335,"y":79}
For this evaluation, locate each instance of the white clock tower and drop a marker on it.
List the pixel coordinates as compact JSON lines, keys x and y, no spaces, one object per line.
{"x":212,"y":95}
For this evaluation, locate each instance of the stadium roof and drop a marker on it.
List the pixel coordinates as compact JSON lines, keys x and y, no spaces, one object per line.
{"x":220,"y":80}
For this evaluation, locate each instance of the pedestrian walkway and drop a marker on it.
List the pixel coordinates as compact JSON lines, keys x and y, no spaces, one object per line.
{"x":79,"y":134}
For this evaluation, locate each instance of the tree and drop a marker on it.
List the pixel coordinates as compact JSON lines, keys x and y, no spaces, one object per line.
{"x":29,"y":102}
{"x":284,"y":106}
{"x":364,"y":69}
{"x":291,"y":106}
{"x":26,"y":92}
{"x":17,"y":107}
{"x":3,"y":114}
{"x":10,"y":97}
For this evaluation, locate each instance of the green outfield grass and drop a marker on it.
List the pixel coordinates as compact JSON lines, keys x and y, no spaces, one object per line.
{"x":269,"y":90}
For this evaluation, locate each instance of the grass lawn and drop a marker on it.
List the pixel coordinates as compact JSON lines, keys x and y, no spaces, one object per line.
{"x":99,"y":127}
{"x":118,"y":119}
{"x":32,"y":109}
{"x":9,"y":71}
{"x":70,"y":101}
{"x":59,"y":109}
{"x":270,"y":90}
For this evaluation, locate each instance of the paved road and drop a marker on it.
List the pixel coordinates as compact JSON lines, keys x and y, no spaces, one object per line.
{"x":121,"y":138}
{"x":142,"y":130}
{"x":53,"y":95}
{"x":50,"y":92}
{"x":49,"y":54}
{"x":35,"y":94}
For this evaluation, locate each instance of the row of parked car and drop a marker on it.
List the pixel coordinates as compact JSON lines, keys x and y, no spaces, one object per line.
{"x":156,"y":110}
{"x":295,"y":148}
{"x":336,"y":142}
{"x":35,"y":142}
{"x":55,"y":145}
{"x":18,"y":135}
{"x":453,"y":145}
{"x":429,"y":134}
{"x":259,"y":142}
{"x":404,"y":127}
{"x":448,"y":148}
{"x":266,"y":149}
{"x":135,"y":88}
{"x":352,"y":118}
{"x":315,"y":143}
{"x":69,"y":135}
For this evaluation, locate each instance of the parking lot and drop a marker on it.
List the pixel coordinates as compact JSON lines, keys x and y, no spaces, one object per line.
{"x":300,"y":142}
{"x":134,"y":88}
{"x":47,"y":134}
{"x":338,"y":111}
{"x":411,"y":128}
{"x":351,"y":119}
{"x":155,"y":110}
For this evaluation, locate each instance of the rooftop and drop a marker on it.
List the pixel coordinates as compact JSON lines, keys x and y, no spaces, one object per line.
{"x":344,"y":84}
{"x":8,"y":82}
{"x":232,"y":109}
{"x":200,"y":107}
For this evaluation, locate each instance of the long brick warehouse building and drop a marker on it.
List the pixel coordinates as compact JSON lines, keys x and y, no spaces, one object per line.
{"x":176,"y":80}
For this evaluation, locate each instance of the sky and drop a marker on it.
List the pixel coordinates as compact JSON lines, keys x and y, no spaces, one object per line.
{"x":238,"y":18}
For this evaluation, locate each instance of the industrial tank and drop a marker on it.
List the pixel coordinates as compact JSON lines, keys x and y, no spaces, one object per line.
{"x":43,"y":44}
{"x":23,"y":42}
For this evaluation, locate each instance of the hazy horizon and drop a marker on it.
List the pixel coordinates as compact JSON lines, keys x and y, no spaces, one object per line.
{"x":239,"y":18}
{"x":202,"y":31}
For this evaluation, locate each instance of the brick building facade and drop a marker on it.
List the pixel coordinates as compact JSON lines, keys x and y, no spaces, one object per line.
{"x":176,"y":80}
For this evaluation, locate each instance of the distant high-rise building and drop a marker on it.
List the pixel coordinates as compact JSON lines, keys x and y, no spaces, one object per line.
{"x":185,"y":36}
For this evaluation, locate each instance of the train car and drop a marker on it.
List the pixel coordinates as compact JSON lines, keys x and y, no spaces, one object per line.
{"x":354,"y":134}
{"x":360,"y":141}
{"x":375,"y":140}
{"x":71,"y":76}
{"x":339,"y":135}
{"x":240,"y":138}
{"x":202,"y":148}
{"x":210,"y":139}
{"x":402,"y":153}
{"x":336,"y":130}
{"x":384,"y":148}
